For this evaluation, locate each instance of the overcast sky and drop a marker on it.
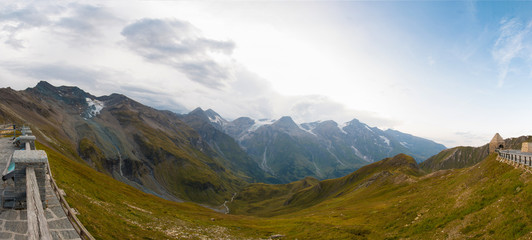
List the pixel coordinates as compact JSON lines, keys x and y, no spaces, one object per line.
{"x":454,"y":72}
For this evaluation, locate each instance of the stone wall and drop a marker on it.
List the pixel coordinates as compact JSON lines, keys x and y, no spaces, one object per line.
{"x":526,"y":147}
{"x":29,"y":158}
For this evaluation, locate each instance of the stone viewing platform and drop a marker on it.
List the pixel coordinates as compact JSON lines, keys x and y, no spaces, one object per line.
{"x":29,"y":208}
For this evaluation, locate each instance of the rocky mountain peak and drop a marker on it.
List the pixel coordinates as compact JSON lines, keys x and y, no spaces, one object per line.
{"x":215,"y":118}
{"x":115,"y":99}
{"x":72,"y":96}
{"x":354,"y":122}
{"x":44,"y":85}
{"x":327,"y":125}
{"x":285,"y":122}
{"x":198,"y":112}
{"x":48,"y":89}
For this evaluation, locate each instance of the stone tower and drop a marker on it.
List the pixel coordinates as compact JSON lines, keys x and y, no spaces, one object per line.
{"x":496,"y":143}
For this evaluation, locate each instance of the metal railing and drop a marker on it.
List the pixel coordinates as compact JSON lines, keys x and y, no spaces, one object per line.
{"x":9,"y":130}
{"x":516,"y":157}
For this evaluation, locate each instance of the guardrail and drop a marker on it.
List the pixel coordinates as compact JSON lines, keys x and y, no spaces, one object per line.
{"x":80,"y":229}
{"x":9,"y":129}
{"x":515,"y":156}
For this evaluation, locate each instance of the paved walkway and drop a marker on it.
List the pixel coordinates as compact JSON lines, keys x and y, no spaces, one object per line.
{"x":13,"y":223}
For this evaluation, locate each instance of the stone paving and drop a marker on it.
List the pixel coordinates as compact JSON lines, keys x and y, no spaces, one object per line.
{"x":13,"y":223}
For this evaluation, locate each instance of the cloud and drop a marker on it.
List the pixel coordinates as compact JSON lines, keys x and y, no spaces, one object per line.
{"x":83,"y":23}
{"x":80,"y":22}
{"x":309,"y":108}
{"x":510,"y":44}
{"x":13,"y":20}
{"x":217,"y":81}
{"x":181,"y":45}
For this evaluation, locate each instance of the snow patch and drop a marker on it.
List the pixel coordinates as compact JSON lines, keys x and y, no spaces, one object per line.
{"x":337,"y":159}
{"x":259,"y":123}
{"x":385,"y":139}
{"x":368,"y":128}
{"x":360,"y":155}
{"x":216,"y":119}
{"x":405,"y":144}
{"x":307,"y":130}
{"x":95,"y":107}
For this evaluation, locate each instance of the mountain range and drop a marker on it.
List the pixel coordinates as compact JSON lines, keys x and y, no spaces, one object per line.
{"x":126,"y":168}
{"x":200,"y":156}
{"x":287,"y":151}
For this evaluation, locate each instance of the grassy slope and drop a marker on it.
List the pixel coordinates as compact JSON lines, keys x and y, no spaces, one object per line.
{"x":113,"y":210}
{"x":271,"y":200}
{"x":458,"y":157}
{"x":489,"y":200}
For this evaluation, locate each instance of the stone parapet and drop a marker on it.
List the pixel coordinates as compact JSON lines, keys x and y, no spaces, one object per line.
{"x":26,"y":131}
{"x":25,"y":140}
{"x":29,"y":158}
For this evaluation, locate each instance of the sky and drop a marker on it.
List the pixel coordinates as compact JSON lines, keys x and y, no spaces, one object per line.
{"x":455,"y":72}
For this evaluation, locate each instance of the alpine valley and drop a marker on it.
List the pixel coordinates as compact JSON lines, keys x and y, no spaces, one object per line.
{"x":135,"y":172}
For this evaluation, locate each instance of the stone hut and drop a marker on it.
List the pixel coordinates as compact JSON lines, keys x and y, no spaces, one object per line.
{"x":496,"y":143}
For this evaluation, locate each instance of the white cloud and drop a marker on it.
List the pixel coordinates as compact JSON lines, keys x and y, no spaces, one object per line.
{"x":266,"y":60}
{"x":80,"y":23}
{"x":15,"y":19}
{"x":514,"y":35}
{"x":181,"y":45}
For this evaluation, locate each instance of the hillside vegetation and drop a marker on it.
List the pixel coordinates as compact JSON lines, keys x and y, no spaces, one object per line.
{"x":390,"y":199}
{"x":386,"y":201}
